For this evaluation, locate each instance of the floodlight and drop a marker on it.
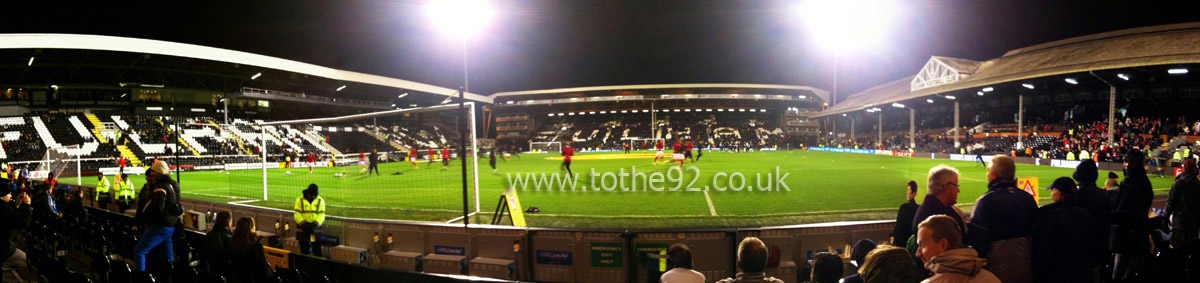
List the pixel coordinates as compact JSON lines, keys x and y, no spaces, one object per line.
{"x":848,"y":23}
{"x":1072,"y":81}
{"x":402,"y":95}
{"x":930,"y":100}
{"x":950,"y":97}
{"x":255,"y":76}
{"x":897,"y":105}
{"x":340,"y":88}
{"x":30,"y":61}
{"x":1029,"y":86}
{"x":1123,"y":76}
{"x":988,"y":89}
{"x":1178,"y":71}
{"x":460,"y":18}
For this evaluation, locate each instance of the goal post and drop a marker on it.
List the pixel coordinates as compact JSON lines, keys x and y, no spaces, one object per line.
{"x":545,"y":147}
{"x":397,"y":182}
{"x":62,"y":160}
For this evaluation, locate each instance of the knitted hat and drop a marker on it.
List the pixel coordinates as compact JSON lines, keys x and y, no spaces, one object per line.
{"x":160,"y":167}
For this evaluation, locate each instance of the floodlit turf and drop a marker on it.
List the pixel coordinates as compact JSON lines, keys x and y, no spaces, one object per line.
{"x":823,"y":187}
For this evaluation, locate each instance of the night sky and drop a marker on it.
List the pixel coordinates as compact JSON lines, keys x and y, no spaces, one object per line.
{"x":540,"y":44}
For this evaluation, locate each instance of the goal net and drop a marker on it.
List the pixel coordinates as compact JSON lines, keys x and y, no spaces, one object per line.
{"x":364,"y":165}
{"x":545,"y":147}
{"x":63,"y":162}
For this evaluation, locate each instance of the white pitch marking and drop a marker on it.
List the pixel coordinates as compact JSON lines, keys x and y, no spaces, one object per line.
{"x":711,"y":209}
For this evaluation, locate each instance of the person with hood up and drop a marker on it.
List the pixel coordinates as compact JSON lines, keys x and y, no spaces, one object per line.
{"x":941,"y":249}
{"x":1129,"y":237}
{"x":1183,"y":205}
{"x":858,"y":257}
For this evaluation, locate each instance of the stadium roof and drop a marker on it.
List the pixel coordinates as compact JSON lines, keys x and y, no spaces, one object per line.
{"x":654,"y":89}
{"x":157,"y":47}
{"x":1137,"y":47}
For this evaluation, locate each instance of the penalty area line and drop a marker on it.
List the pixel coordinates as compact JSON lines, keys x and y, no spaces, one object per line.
{"x":460,"y":218}
{"x":711,"y":209}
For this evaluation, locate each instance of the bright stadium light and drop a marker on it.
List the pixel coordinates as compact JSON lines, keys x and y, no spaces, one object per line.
{"x":460,"y":18}
{"x":603,"y":112}
{"x":509,"y":102}
{"x":624,"y":111}
{"x":1177,"y":71}
{"x":734,"y":95}
{"x":1072,"y":81}
{"x":402,"y":95}
{"x":1029,"y":86}
{"x":676,"y":110}
{"x":742,"y":110}
{"x":551,"y":114}
{"x":572,"y":113}
{"x":951,"y":97}
{"x":447,"y":100}
{"x":930,"y":100}
{"x":980,"y":93}
{"x":803,"y":97}
{"x":757,"y":96}
{"x":1123,"y":76}
{"x":591,"y":112}
{"x":843,"y":114}
{"x":561,"y":114}
{"x":255,"y":76}
{"x":687,"y":110}
{"x":753,"y":110}
{"x":988,"y":89}
{"x":897,"y":105}
{"x":762,"y":110}
{"x":340,"y":88}
{"x":848,"y":23}
{"x":30,"y":61}
{"x":708,"y":110}
{"x":721,"y":110}
{"x":645,"y":110}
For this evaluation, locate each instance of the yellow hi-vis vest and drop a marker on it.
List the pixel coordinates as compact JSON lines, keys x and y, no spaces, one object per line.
{"x":101,"y":188}
{"x":1177,"y":156}
{"x":306,"y":211}
{"x":1070,"y":156}
{"x":1083,"y":155}
{"x":124,"y":188}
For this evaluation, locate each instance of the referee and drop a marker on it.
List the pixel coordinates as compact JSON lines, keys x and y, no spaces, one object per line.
{"x":373,"y":160}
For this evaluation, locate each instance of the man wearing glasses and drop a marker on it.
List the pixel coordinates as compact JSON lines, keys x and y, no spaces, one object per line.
{"x":943,"y":194}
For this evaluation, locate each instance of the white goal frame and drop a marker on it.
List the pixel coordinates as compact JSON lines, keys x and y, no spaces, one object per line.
{"x":560,"y":145}
{"x":473,"y":147}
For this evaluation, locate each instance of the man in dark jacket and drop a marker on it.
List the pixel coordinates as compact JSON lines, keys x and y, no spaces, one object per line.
{"x":1129,"y":236}
{"x":13,"y":216}
{"x":1098,"y":203}
{"x":1007,"y":212}
{"x":1183,"y":205}
{"x":216,"y":244}
{"x":158,"y":213}
{"x":943,"y":194}
{"x":858,"y":255}
{"x":904,"y":217}
{"x":1061,"y":245}
{"x":44,"y":204}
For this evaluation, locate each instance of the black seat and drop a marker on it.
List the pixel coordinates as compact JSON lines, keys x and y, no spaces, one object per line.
{"x":142,"y":277}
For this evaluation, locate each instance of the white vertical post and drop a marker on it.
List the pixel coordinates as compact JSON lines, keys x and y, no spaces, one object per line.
{"x":78,"y":170}
{"x":956,"y":127}
{"x":1020,"y":122}
{"x":474,"y":156}
{"x":262,"y":146}
{"x":912,"y":128}
{"x":1112,"y":112}
{"x":851,"y":128}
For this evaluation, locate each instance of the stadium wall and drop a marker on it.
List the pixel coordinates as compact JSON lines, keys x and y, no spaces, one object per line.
{"x":536,"y":254}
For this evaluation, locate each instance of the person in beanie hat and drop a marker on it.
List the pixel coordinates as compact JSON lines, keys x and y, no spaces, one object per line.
{"x":158,"y":213}
{"x":1097,"y":202}
{"x":1183,"y":205}
{"x":13,"y":217}
{"x":858,"y":255}
{"x":1128,"y":237}
{"x":310,"y":215}
{"x":1062,"y":249}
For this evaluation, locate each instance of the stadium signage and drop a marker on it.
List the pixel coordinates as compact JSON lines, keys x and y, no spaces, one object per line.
{"x":933,"y":82}
{"x":449,"y":250}
{"x":846,"y":150}
{"x":39,"y":174}
{"x":554,"y":257}
{"x":128,"y":170}
{"x":608,"y":255}
{"x":902,"y":154}
{"x":883,"y":152}
{"x":1062,"y":163}
{"x":970,"y":158}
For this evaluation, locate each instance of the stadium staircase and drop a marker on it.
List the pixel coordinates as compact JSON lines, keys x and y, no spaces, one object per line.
{"x":382,"y":138}
{"x":241,"y":144}
{"x":128,"y":155}
{"x":97,"y":127}
{"x":188,"y":146}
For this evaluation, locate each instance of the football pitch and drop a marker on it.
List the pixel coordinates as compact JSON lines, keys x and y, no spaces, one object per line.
{"x":722,"y":190}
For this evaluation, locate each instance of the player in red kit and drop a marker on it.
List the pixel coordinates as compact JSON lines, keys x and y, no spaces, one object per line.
{"x":687,"y":151}
{"x":362,"y":161}
{"x":567,"y":152}
{"x":658,"y":147}
{"x":432,"y":155}
{"x":626,"y":145}
{"x":412,"y":156}
{"x":677,"y":153}
{"x":445,"y":158}
{"x":310,"y":159}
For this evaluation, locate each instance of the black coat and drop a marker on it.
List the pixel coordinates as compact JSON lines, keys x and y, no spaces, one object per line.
{"x":44,"y":204}
{"x":1130,"y":214}
{"x":159,"y":209}
{"x":904,"y":222}
{"x":932,"y":206}
{"x":12,"y":218}
{"x":1062,"y":251}
{"x":215,"y":250}
{"x":250,"y":265}
{"x":1183,"y":204}
{"x":1006,"y":211}
{"x":1099,"y":204}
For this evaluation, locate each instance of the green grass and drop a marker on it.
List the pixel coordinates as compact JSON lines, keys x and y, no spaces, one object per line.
{"x":824,"y":187}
